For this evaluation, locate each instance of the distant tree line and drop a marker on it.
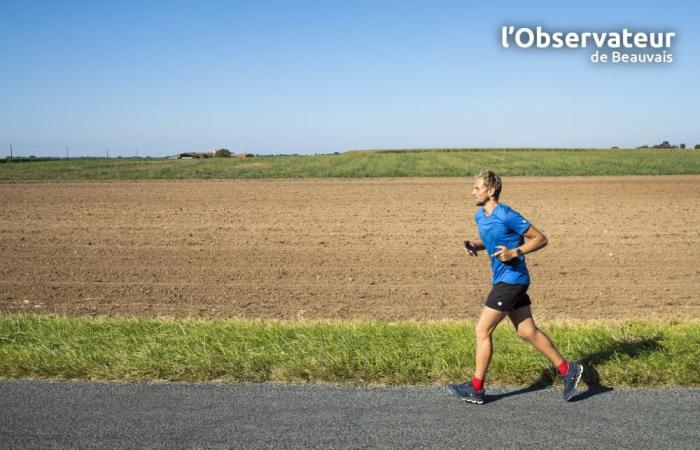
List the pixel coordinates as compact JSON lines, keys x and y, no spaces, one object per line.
{"x":666,"y":144}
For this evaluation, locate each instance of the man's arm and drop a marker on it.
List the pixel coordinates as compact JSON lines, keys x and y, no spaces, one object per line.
{"x":534,"y":240}
{"x":472,"y":247}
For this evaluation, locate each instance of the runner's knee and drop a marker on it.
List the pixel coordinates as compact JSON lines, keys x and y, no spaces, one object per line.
{"x":527,"y":332}
{"x":482,"y":332}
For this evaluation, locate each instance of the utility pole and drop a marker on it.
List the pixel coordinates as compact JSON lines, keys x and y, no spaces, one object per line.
{"x":66,"y":151}
{"x":10,"y":151}
{"x":107,"y":152}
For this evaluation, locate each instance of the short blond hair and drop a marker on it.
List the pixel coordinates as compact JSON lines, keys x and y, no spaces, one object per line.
{"x":491,"y":181}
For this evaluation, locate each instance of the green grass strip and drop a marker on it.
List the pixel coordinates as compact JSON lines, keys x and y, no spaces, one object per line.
{"x":355,"y":353}
{"x":358,"y":164}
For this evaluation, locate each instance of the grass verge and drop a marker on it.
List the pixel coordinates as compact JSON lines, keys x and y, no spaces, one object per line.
{"x":356,"y":353}
{"x":356,"y":164}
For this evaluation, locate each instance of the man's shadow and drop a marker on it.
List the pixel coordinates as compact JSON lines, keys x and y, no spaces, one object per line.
{"x":591,"y":377}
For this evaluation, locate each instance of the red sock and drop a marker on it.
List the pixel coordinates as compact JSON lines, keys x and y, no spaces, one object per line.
{"x":477,"y":384}
{"x":563,"y":368}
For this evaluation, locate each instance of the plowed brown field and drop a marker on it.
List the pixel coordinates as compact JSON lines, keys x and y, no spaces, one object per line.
{"x":620,"y":248}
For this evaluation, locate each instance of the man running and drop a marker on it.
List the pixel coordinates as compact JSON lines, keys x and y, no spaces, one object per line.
{"x":507,"y":237}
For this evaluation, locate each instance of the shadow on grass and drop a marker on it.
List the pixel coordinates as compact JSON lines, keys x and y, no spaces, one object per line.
{"x":591,"y":377}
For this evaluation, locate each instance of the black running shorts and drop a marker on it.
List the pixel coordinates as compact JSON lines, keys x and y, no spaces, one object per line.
{"x":505,"y":297}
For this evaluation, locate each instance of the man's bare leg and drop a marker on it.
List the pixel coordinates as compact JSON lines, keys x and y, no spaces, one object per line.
{"x":489,"y":319}
{"x":525,"y":326}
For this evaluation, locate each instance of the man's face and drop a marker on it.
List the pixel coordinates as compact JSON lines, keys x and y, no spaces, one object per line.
{"x":480,"y":192}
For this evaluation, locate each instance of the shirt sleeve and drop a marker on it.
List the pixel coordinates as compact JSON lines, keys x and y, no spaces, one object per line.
{"x":516,"y":222}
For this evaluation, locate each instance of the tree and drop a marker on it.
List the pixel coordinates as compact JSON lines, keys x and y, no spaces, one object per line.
{"x":222,"y":153}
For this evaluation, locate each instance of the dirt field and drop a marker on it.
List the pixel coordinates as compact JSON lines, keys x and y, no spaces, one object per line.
{"x":381,"y":248}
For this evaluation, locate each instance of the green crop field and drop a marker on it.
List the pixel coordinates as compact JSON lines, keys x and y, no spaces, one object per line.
{"x":405,"y":163}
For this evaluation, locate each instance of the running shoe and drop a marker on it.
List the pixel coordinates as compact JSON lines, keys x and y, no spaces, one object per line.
{"x":571,"y":379}
{"x":466,"y":392}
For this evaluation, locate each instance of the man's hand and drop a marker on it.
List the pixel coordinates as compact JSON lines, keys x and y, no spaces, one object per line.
{"x":470,"y":248}
{"x":505,"y":255}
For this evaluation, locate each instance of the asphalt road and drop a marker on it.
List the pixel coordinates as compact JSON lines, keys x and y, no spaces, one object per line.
{"x":41,"y":414}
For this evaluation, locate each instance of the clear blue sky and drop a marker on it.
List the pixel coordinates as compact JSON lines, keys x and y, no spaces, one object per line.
{"x":325,"y":76}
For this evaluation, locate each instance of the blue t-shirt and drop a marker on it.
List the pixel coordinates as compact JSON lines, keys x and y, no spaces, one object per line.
{"x":504,"y":226}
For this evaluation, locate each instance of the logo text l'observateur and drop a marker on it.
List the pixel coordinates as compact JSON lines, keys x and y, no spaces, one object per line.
{"x":623,"y":47}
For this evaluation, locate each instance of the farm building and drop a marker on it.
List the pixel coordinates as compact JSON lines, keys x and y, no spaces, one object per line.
{"x":213,"y":154}
{"x":194,"y":155}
